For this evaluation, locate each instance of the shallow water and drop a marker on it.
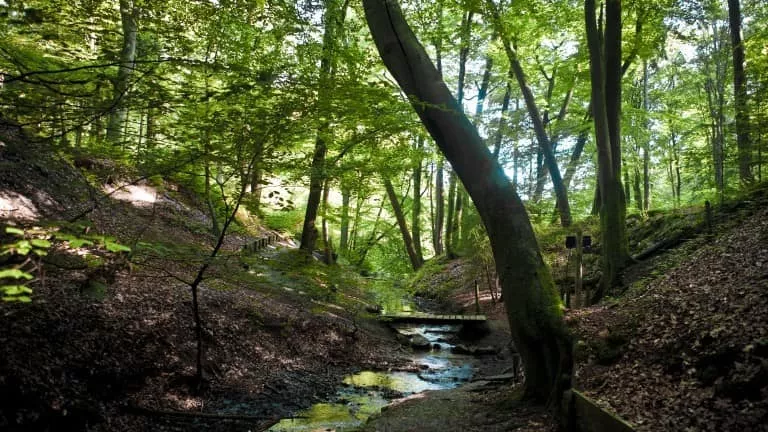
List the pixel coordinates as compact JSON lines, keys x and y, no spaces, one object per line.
{"x":365,"y":393}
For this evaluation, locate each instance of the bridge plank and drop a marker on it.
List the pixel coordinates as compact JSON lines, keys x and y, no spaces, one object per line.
{"x":423,"y":317}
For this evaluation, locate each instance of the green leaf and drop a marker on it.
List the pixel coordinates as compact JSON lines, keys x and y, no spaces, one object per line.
{"x":78,"y":243}
{"x":40,"y":243}
{"x":74,"y":241}
{"x":14,"y":290}
{"x":12,"y":230}
{"x":23,"y":247}
{"x":15,"y":274}
{"x":22,"y":299}
{"x":116,"y":247}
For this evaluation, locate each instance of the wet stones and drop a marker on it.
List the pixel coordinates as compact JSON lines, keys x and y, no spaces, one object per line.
{"x":419,"y":342}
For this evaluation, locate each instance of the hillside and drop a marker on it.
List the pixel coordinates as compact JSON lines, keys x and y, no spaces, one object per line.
{"x":105,"y":336}
{"x":687,"y":349}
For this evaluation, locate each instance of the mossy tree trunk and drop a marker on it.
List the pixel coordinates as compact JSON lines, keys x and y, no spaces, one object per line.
{"x":532,"y":301}
{"x":606,"y":72}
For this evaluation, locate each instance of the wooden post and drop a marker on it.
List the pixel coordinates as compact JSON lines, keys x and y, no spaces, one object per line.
{"x":579,"y":270}
{"x":477,"y":298}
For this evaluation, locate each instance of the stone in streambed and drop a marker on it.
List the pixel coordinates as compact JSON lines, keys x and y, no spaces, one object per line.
{"x":419,"y":342}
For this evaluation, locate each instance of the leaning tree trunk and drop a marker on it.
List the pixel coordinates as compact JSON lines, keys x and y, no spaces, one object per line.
{"x":532,"y":301}
{"x":416,"y":261}
{"x":545,"y":144}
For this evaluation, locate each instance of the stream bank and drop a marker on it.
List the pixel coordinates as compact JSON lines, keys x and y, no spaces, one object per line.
{"x":367,"y":392}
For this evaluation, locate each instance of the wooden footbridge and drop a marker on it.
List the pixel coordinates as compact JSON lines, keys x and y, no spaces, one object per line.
{"x":420,"y":317}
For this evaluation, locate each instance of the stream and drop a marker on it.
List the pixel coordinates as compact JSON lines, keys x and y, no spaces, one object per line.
{"x":365,"y":393}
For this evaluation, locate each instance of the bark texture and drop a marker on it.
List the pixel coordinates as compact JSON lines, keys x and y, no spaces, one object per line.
{"x":605,"y":73}
{"x":128,"y":17}
{"x":416,"y":261}
{"x":533,"y":305}
{"x":743,"y":142}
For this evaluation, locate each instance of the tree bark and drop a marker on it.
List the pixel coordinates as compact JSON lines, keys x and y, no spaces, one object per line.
{"x":416,"y":211}
{"x":334,"y":19}
{"x":450,"y":214}
{"x":646,"y":144}
{"x":346,"y":194}
{"x":416,"y":263}
{"x":532,"y":301}
{"x":743,"y":142}
{"x":439,"y":207}
{"x":605,"y":72}
{"x":327,"y":246}
{"x":500,"y":126}
{"x":128,"y":16}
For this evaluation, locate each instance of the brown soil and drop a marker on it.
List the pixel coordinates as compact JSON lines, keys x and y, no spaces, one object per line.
{"x":687,"y":350}
{"x":74,"y":361}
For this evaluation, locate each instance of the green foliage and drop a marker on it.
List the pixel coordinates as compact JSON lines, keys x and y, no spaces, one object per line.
{"x":287,"y":221}
{"x":21,"y":259}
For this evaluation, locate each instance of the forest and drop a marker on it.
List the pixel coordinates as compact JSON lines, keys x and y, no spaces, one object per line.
{"x":386,"y":215}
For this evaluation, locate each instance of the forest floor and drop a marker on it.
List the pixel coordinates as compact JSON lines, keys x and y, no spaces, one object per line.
{"x":685,"y":348}
{"x":107,"y":345}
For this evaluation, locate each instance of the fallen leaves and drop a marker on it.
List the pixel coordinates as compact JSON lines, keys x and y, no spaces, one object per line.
{"x":693,"y":362}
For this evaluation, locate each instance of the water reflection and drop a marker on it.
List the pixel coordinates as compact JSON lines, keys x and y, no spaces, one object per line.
{"x":365,"y":393}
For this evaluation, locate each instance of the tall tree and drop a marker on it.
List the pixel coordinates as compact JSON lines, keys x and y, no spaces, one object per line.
{"x":334,"y":19}
{"x":416,"y":210}
{"x":743,"y":142}
{"x":605,"y":73}
{"x":128,"y":17}
{"x":533,"y":304}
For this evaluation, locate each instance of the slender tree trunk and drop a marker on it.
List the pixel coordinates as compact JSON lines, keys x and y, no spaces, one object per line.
{"x":346,"y":195}
{"x":500,"y":126}
{"x":257,"y":176}
{"x":449,"y":227}
{"x":416,"y":263}
{"x":416,"y":211}
{"x":458,"y":214}
{"x":195,"y":284}
{"x":327,"y":247}
{"x":128,"y":16}
{"x":743,"y":142}
{"x":573,"y":163}
{"x":150,"y":126}
{"x":482,"y":92}
{"x":439,"y":206}
{"x":531,"y":299}
{"x":455,"y":214}
{"x":545,"y":144}
{"x":334,"y":19}
{"x":646,"y":145}
{"x":628,"y":188}
{"x":371,"y":238}
{"x":356,"y":221}
{"x":437,"y":225}
{"x":639,"y":202}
